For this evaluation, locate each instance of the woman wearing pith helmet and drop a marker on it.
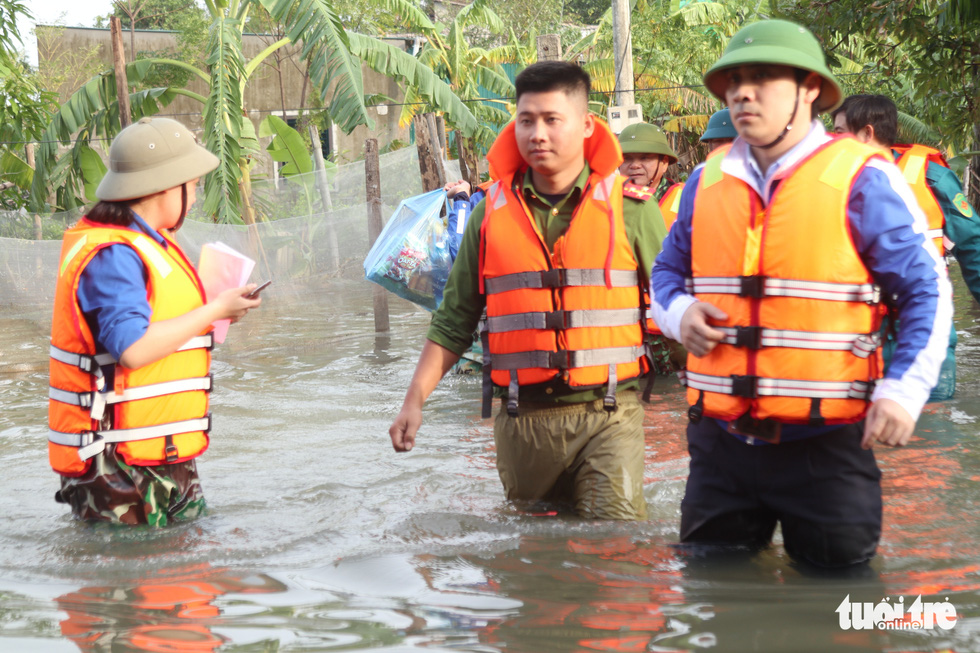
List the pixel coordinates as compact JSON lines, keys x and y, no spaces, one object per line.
{"x":130,"y":338}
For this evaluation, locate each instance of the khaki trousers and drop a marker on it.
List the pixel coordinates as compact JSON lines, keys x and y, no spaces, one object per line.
{"x":578,"y":453}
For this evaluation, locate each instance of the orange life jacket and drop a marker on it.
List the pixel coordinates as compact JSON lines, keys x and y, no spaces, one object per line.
{"x":572,"y":312}
{"x":670,"y":204}
{"x":159,"y":411}
{"x":913,"y":161}
{"x":803,"y":311}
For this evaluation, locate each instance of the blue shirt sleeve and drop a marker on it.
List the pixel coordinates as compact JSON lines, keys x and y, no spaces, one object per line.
{"x":899,"y":259}
{"x":112,"y":296}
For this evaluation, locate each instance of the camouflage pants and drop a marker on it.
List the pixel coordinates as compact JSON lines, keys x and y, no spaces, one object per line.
{"x":112,"y":491}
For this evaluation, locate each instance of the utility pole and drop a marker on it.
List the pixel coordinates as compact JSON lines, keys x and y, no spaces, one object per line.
{"x":622,"y":52}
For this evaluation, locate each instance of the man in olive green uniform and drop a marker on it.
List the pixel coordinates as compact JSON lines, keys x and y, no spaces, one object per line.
{"x":646,"y":157}
{"x":562,"y":443}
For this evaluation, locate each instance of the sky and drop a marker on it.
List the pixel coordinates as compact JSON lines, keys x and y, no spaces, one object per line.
{"x":70,"y":13}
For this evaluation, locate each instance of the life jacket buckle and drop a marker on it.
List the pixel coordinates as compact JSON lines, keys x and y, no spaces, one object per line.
{"x":695,"y":413}
{"x":554,"y":278}
{"x":556,"y":320}
{"x":753,"y":286}
{"x":559,"y":360}
{"x":745,"y":386}
{"x":171,"y":452}
{"x":749,"y":337}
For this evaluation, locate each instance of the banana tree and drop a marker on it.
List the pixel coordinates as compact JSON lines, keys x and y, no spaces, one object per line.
{"x":470,"y":71}
{"x":334,"y":59}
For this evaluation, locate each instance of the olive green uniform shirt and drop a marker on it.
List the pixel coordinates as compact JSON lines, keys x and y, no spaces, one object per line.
{"x":456,"y":319}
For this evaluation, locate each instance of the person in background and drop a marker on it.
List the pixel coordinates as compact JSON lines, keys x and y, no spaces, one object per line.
{"x":719,"y":131}
{"x":646,"y":157}
{"x":130,"y":338}
{"x":462,"y":206}
{"x":953,"y":224}
{"x":564,"y":340}
{"x":772,"y":278}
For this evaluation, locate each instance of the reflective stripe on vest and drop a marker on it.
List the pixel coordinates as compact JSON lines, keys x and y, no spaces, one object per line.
{"x":803,"y":311}
{"x":567,"y":360}
{"x":564,"y":320}
{"x":753,"y":386}
{"x":91,"y":443}
{"x":861,"y":345}
{"x":557,"y":278}
{"x":757,"y":286}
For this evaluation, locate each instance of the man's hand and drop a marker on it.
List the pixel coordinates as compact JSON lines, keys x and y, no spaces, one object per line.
{"x":697,"y":336}
{"x":454,"y":187}
{"x":888,"y":423}
{"x":405,"y":426}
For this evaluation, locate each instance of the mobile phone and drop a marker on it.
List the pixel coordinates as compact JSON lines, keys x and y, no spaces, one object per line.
{"x":258,"y":289}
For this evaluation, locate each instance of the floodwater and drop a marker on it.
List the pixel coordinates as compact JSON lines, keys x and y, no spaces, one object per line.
{"x":319,"y":537}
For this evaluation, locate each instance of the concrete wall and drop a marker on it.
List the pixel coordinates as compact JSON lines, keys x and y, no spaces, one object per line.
{"x":70,"y":56}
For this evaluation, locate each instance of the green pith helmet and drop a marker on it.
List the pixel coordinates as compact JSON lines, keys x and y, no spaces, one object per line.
{"x":153,"y":155}
{"x":720,"y":126}
{"x":643,"y":138}
{"x":776,"y":42}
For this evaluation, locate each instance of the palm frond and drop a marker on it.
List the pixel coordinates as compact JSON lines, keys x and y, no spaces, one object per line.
{"x":394,"y":62}
{"x":325,"y":44}
{"x":223,"y":121}
{"x":91,"y":112}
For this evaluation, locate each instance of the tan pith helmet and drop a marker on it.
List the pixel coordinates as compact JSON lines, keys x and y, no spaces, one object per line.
{"x":153,"y":155}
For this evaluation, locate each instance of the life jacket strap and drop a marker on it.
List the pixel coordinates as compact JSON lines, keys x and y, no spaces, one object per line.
{"x":609,"y":401}
{"x":560,"y":277}
{"x":487,"y":408}
{"x":564,"y":359}
{"x":564,"y":319}
{"x":92,"y":364}
{"x":861,"y":345}
{"x":102,"y":399}
{"x":759,"y":286}
{"x":91,"y":443}
{"x":752,"y":387}
{"x":513,"y":393}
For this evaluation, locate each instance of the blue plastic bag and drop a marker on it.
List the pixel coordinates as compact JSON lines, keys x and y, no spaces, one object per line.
{"x":411,"y":255}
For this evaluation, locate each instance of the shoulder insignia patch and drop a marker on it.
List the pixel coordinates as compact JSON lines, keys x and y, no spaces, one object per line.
{"x":642,"y":193}
{"x":961,"y":203}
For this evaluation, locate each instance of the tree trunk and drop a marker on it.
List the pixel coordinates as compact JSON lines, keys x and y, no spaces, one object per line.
{"x":428,"y":164}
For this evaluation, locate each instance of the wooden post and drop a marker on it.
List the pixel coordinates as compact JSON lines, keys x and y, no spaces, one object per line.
{"x":372,"y":191}
{"x":324,"y":187}
{"x":119,"y":63}
{"x":549,"y":47}
{"x":427,"y":162}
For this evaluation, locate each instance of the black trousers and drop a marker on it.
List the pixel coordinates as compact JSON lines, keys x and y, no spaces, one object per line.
{"x":825,"y":491}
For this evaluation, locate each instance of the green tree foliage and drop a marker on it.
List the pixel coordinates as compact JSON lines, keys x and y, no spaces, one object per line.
{"x":924,"y":54}
{"x":334,"y":62}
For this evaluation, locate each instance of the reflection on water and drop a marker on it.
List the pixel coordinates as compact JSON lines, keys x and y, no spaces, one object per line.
{"x":319,"y":538}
